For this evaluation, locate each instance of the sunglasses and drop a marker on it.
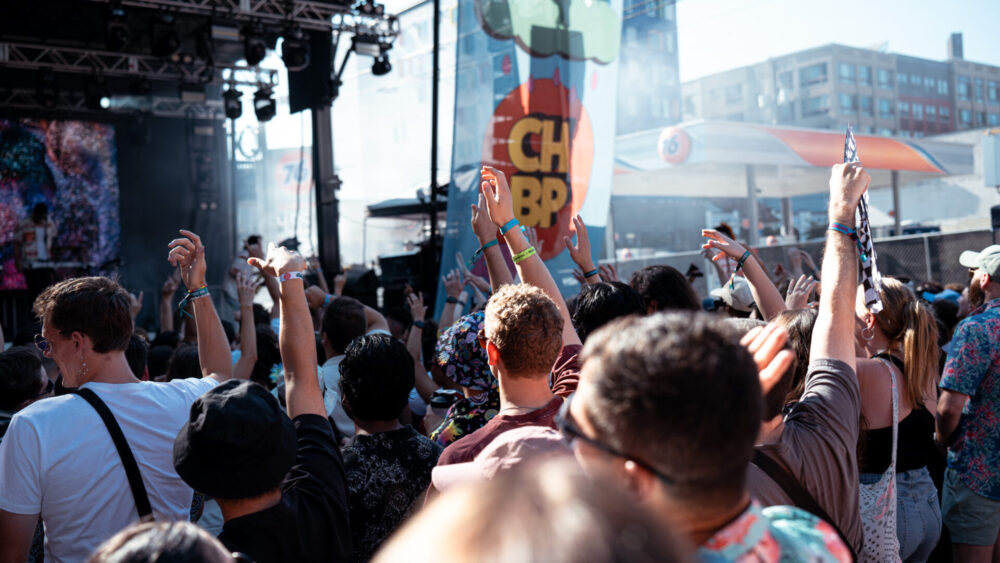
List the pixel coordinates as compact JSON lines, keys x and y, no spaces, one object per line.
{"x":43,"y":344}
{"x":481,"y":337}
{"x":571,"y":432}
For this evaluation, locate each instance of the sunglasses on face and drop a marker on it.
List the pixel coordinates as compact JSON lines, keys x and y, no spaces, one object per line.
{"x":571,"y":432}
{"x":43,"y":344}
{"x":481,"y":337}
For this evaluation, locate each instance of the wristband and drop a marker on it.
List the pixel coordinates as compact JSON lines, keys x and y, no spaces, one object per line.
{"x":451,"y":299}
{"x":593,"y":272}
{"x":191,"y":296}
{"x":327,"y":299}
{"x":524,"y":254}
{"x":842,"y":229}
{"x":482,"y":248}
{"x":508,"y":226}
{"x":419,"y":324}
{"x":290,"y":276}
{"x":739,"y":265}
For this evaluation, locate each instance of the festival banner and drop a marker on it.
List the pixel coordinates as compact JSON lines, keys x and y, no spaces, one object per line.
{"x":535,"y":98}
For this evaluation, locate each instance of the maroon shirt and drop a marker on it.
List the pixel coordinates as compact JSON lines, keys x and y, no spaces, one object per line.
{"x":565,"y":376}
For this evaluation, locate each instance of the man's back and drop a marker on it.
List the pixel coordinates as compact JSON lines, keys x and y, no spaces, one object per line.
{"x":58,"y":459}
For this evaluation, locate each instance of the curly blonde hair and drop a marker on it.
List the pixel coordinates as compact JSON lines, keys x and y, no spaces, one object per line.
{"x":526,"y":327}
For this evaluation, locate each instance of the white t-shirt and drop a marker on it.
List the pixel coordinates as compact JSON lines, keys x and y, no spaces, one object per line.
{"x":58,"y":459}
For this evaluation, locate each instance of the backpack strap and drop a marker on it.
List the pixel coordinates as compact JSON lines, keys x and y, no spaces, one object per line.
{"x":142,"y":505}
{"x":795,"y":491}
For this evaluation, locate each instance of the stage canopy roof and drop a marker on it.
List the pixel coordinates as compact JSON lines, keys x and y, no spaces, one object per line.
{"x":715,"y":158}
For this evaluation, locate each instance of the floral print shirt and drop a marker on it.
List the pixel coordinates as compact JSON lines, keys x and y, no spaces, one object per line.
{"x":774,"y":534}
{"x":973,"y":369}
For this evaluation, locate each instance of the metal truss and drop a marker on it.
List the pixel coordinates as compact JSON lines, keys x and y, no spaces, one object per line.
{"x":106,"y":63}
{"x":308,"y":14}
{"x":76,"y":102}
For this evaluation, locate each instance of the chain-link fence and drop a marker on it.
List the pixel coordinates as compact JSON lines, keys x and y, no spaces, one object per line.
{"x":930,"y":256}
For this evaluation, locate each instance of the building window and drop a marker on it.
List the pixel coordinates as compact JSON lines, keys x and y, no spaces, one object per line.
{"x":734,"y":93}
{"x":994,"y":119}
{"x":785,"y":80}
{"x":689,"y":105}
{"x":930,"y":111}
{"x":992,"y":93}
{"x":943,"y":111}
{"x":885,"y":108}
{"x":848,"y":104}
{"x":885,"y":132}
{"x":904,"y":109}
{"x":868,"y":129}
{"x":865,"y":75}
{"x":884,"y":78}
{"x":815,"y":106}
{"x":965,"y":116}
{"x":929,"y":82}
{"x":979,"y":89}
{"x":962,"y":88}
{"x":812,"y":74}
{"x":918,"y":111}
{"x":866,"y":105}
{"x":942,"y":86}
{"x":901,"y":77}
{"x":845,"y":73}
{"x":980,"y":118}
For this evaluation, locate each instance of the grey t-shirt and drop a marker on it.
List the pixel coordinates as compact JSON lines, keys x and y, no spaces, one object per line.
{"x":819,"y":447}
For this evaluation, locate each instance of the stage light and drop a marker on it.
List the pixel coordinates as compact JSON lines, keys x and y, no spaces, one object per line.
{"x":192,"y":93}
{"x":97,"y":95}
{"x":48,"y":90}
{"x":254,"y":44}
{"x":166,"y":41}
{"x":264,"y":106}
{"x":367,"y":45}
{"x":116,"y":33}
{"x":381,"y":66}
{"x":105,"y":102}
{"x":231,"y":101}
{"x":295,"y":49}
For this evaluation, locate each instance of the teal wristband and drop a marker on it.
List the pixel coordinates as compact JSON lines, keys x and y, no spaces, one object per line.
{"x":327,"y":299}
{"x":593,"y":272}
{"x":508,"y":226}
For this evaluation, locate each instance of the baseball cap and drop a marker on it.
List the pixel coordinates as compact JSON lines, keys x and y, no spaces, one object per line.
{"x":988,"y":260}
{"x":738,"y":296}
{"x":507,"y":451}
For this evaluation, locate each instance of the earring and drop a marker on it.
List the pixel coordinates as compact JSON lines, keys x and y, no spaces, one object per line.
{"x":870,"y":335}
{"x":83,"y":371}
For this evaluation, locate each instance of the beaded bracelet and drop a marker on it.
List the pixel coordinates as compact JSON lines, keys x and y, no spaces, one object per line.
{"x":524,"y":254}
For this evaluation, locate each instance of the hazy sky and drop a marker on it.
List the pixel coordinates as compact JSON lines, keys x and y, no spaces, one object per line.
{"x":717,"y":35}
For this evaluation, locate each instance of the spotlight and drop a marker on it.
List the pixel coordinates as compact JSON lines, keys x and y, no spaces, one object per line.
{"x":381,"y":66}
{"x":166,"y":41}
{"x":231,"y":102}
{"x":254,"y":44}
{"x":367,"y":45}
{"x":48,"y":90}
{"x":295,"y":49}
{"x":97,"y":93}
{"x":105,"y":102}
{"x":263,"y":104}
{"x":116,"y":33}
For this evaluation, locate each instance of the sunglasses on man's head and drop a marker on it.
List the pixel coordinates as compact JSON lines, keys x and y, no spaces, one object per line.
{"x":571,"y":432}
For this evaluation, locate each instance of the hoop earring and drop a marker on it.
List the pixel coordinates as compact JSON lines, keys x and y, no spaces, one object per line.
{"x":871,"y":333}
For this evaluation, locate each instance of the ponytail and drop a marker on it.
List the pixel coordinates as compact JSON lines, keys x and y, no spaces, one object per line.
{"x":920,"y":352}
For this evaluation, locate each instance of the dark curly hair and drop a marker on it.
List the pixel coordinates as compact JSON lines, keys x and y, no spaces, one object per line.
{"x":376,"y":376}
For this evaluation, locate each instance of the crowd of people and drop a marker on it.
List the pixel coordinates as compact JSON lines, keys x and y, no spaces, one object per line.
{"x":775,"y":420}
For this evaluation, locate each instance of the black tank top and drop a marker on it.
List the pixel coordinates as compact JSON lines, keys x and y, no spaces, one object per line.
{"x":915,"y":442}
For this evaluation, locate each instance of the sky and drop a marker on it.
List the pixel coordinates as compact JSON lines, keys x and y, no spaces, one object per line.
{"x":717,"y":35}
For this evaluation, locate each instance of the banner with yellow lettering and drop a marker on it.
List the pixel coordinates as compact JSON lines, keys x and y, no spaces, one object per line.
{"x":535,"y":98}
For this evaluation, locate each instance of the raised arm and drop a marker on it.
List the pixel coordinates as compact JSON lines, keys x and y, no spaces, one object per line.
{"x":580,"y":252}
{"x":452,"y":289}
{"x":246,"y":287}
{"x":188,"y":254}
{"x":531,"y":269}
{"x":766,"y":296}
{"x":425,"y":386}
{"x":486,"y":233}
{"x":833,"y":335}
{"x":296,"y":340}
{"x":167,"y":293}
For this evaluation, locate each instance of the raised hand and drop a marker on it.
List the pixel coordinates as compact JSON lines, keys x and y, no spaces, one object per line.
{"x":417,"y":307}
{"x":580,"y":252}
{"x":135,"y":303}
{"x":452,"y":284}
{"x":482,"y":226}
{"x":188,"y":254}
{"x":496,"y":193}
{"x":767,"y":345}
{"x":279,"y":261}
{"x":799,"y":292}
{"x":339,"y":281}
{"x":608,"y":272}
{"x":246,"y":288}
{"x":578,"y":276}
{"x":725,"y":245}
{"x":533,"y":240}
{"x":848,"y":182}
{"x":476,"y":282}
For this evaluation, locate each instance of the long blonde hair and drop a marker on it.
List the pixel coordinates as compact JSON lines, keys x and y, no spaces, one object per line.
{"x":904,"y":319}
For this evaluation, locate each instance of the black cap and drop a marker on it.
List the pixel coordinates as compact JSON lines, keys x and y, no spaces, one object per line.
{"x":237,"y":442}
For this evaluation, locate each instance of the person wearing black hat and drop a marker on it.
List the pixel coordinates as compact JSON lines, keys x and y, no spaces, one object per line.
{"x":279,"y":481}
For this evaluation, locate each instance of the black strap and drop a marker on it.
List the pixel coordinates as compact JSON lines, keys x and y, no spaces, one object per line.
{"x":887,"y":356}
{"x":795,"y":491}
{"x":124,"y":452}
